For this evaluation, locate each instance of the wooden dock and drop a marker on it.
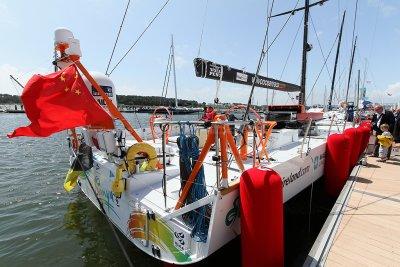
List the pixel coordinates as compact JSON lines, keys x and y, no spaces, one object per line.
{"x":364,"y":226}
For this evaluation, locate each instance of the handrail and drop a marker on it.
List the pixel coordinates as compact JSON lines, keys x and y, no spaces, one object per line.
{"x":237,"y":122}
{"x":330,"y":125}
{"x":305,"y":137}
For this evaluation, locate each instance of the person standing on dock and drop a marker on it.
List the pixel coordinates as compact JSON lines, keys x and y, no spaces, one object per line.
{"x":385,"y":142}
{"x":380,"y":117}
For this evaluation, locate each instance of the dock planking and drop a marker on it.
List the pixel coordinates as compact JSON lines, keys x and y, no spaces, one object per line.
{"x":369,"y":231}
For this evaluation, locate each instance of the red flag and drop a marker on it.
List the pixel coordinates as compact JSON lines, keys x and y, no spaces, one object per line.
{"x":60,"y":101}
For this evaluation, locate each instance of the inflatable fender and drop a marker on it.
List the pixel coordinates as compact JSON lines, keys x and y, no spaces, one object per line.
{"x":261,"y":215}
{"x":337,"y":163}
{"x":355,"y":144}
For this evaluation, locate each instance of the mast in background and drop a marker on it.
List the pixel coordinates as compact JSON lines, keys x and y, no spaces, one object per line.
{"x":173,"y":65}
{"x":336,"y":61}
{"x":15,"y":80}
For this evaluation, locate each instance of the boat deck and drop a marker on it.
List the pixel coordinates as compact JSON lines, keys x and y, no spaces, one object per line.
{"x":368,"y":229}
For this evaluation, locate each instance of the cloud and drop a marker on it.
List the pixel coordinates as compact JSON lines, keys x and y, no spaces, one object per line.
{"x":180,"y":61}
{"x":10,"y":87}
{"x":386,"y":9}
{"x":393,"y":89}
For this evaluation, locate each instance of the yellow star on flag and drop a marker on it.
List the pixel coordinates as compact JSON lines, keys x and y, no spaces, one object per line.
{"x":76,"y":75}
{"x":62,"y":78}
{"x":77,"y":92}
{"x":66,"y":89}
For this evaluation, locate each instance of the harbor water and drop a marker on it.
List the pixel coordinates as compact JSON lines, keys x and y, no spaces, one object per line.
{"x":42,"y":225}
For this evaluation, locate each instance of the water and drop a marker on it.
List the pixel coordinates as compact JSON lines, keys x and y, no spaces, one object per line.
{"x":42,"y":225}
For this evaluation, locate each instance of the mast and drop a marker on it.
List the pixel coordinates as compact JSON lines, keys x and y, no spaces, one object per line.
{"x":173,"y":65}
{"x":351,"y":68}
{"x":358,"y":95}
{"x":306,"y":48}
{"x":14,"y":79}
{"x":336,"y":62}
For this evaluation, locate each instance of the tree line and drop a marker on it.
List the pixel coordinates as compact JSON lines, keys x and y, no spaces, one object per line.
{"x":127,"y":100}
{"x":9,"y":99}
{"x":137,"y":100}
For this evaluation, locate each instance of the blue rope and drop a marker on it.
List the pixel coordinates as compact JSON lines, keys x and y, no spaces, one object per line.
{"x":189,"y":154}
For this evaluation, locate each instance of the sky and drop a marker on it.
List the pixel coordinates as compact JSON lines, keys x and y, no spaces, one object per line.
{"x":233,"y":33}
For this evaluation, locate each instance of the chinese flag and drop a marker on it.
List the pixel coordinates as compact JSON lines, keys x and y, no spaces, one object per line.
{"x":60,"y":101}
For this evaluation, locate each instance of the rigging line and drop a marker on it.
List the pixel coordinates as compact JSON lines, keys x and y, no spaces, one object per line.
{"x":119,"y":32}
{"x":276,"y":36}
{"x":319,"y":74}
{"x":287,"y":58}
{"x":260,"y":60}
{"x":320,"y":46}
{"x":283,"y":26}
{"x":169,"y":75}
{"x":166,"y":71}
{"x":291,"y":48}
{"x":202,"y":28}
{"x":263,"y":52}
{"x":352,"y":50}
{"x":370,"y":71}
{"x":374,"y":31}
{"x":140,"y":36}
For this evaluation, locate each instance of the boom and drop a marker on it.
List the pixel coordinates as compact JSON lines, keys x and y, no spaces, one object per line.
{"x":215,"y":71}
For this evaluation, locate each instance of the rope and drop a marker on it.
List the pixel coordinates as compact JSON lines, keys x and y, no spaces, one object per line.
{"x":140,"y":36}
{"x":167,"y":75}
{"x":320,"y":47}
{"x":260,"y":60}
{"x":283,"y":26}
{"x":286,"y":61}
{"x":188,"y":156}
{"x":202,"y":28}
{"x":319,"y":74}
{"x":119,"y":32}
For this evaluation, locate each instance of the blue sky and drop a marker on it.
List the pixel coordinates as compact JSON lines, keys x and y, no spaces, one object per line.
{"x":233,"y":35}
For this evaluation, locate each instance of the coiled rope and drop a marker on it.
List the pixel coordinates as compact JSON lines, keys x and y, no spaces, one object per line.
{"x":189,"y":154}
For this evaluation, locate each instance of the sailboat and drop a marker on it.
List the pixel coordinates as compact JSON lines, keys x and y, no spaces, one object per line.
{"x":17,"y":108}
{"x":177,"y":198}
{"x":175,"y":109}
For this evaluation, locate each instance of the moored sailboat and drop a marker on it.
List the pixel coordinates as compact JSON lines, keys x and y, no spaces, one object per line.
{"x":177,"y":197}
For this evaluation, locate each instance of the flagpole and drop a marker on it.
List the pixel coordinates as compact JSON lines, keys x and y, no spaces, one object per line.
{"x":111,"y":107}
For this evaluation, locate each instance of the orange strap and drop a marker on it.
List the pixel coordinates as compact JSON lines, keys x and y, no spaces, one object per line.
{"x":111,"y":107}
{"x":210,"y":140}
{"x":260,"y":134}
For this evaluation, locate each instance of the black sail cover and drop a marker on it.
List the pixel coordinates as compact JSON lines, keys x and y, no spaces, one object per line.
{"x":212,"y":70}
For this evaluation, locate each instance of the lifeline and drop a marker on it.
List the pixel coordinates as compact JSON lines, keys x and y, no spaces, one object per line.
{"x":293,"y":177}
